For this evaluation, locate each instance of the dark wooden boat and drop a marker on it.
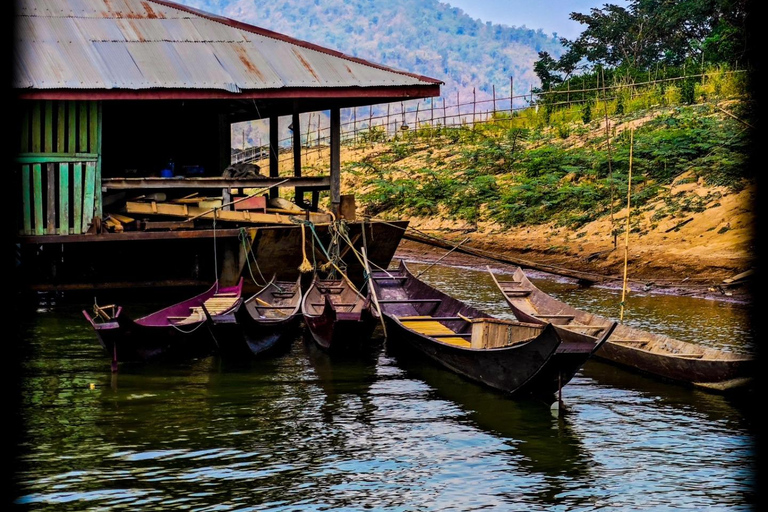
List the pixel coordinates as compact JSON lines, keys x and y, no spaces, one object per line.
{"x":336,"y":314}
{"x":176,"y":331}
{"x":502,"y":354}
{"x":264,"y":323}
{"x":631,"y":348}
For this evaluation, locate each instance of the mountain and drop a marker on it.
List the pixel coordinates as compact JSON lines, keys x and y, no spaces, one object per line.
{"x":427,"y":37}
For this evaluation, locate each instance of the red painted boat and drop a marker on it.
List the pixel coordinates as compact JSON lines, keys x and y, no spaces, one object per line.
{"x":177,"y":331}
{"x":502,"y":354}
{"x":336,"y":314}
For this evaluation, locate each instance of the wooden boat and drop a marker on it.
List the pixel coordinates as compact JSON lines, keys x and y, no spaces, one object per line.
{"x":336,"y":314}
{"x":502,"y":354}
{"x":264,"y":323}
{"x":631,"y":348}
{"x":176,"y":331}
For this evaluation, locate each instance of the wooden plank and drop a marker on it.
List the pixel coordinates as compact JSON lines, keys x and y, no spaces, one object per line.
{"x":63,"y":199}
{"x":213,"y":182}
{"x":77,"y":197}
{"x":82,"y":144}
{"x":183,"y":210}
{"x":26,"y":200}
{"x":90,"y":176}
{"x":37,"y":145}
{"x":71,"y":124}
{"x":43,"y":158}
{"x":60,"y":125}
{"x":50,"y":210}
{"x":48,"y":127}
{"x":37,"y":194}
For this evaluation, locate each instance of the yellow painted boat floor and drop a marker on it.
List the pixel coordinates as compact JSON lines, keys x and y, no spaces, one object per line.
{"x":433,"y":328}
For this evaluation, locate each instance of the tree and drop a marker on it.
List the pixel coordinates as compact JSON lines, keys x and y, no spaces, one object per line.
{"x":652,"y":32}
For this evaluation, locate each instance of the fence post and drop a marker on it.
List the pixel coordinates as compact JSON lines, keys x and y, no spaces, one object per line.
{"x":494,"y":99}
{"x":511,"y":96}
{"x":458,"y":107}
{"x":474,"y":107}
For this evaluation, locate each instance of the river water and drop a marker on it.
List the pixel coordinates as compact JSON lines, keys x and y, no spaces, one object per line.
{"x":304,"y":431}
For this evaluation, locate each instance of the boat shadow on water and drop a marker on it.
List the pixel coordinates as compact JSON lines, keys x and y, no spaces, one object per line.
{"x":545,"y":441}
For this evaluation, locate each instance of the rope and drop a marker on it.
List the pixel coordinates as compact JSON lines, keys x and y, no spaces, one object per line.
{"x":248,"y":255}
{"x":305,"y":266}
{"x":189,"y":331}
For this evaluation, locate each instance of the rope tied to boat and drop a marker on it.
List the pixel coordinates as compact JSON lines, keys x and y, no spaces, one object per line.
{"x":305,"y":266}
{"x":248,"y":248}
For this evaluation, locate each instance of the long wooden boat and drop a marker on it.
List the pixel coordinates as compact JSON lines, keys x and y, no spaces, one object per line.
{"x":336,"y":314}
{"x":631,"y":348}
{"x":264,"y":323}
{"x":176,"y":331}
{"x":502,"y":354}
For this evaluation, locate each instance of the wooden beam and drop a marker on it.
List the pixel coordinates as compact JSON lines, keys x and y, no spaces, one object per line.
{"x":60,"y":125}
{"x":97,"y":149}
{"x":298,"y":196}
{"x":274,"y":146}
{"x":183,"y":210}
{"x":335,"y":160}
{"x":308,"y":182}
{"x":132,"y":236}
{"x":43,"y":158}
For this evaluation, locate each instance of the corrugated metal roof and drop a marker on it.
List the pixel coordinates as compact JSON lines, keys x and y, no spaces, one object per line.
{"x":154,"y":44}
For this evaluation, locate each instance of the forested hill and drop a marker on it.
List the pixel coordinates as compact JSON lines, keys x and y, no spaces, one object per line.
{"x":427,"y":37}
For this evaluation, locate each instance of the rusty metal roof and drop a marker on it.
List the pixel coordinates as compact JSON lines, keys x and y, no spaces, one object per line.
{"x":145,"y":45}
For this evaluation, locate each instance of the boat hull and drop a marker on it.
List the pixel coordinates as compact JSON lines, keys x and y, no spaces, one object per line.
{"x":633,"y":349}
{"x":510,"y":370}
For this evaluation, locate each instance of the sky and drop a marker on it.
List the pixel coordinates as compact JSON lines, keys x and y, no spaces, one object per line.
{"x":550,"y":15}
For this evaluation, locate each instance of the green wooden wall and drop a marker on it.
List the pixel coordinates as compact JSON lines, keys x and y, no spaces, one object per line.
{"x":60,"y":160}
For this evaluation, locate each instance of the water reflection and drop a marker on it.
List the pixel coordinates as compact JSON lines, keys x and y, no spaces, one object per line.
{"x":304,"y":431}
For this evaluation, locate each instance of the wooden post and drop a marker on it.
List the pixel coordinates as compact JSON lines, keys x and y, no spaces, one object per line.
{"x":296,"y":142}
{"x":494,"y":100}
{"x":445,"y":117}
{"x":511,"y":96}
{"x":432,"y":112}
{"x":458,"y":107}
{"x":335,"y":160}
{"x":274,"y":164}
{"x":474,"y":107}
{"x":387,"y":130}
{"x":97,"y":118}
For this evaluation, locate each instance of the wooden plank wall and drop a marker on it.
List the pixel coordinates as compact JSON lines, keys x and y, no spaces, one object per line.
{"x":60,"y":160}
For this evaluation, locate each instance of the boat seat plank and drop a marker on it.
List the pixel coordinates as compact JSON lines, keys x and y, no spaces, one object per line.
{"x":517,"y":293}
{"x":541,"y":315}
{"x":432,"y":328}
